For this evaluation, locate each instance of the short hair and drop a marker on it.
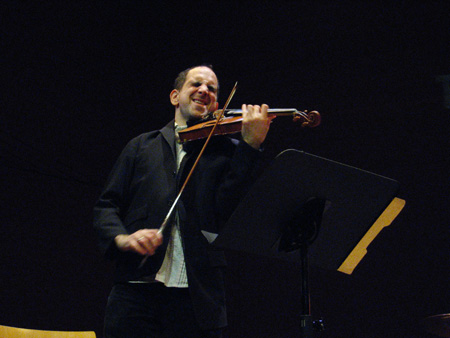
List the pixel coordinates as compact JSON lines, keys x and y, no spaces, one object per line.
{"x":181,"y":78}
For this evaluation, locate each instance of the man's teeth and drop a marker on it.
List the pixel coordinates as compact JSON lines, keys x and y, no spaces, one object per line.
{"x":199,"y":102}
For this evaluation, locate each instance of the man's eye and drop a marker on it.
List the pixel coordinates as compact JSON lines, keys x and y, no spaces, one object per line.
{"x":210,"y":87}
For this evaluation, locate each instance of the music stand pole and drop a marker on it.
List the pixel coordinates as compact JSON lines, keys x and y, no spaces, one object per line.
{"x":306,"y":323}
{"x":298,"y":237}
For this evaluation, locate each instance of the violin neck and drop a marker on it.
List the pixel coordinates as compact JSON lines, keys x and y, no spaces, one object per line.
{"x":277,"y":111}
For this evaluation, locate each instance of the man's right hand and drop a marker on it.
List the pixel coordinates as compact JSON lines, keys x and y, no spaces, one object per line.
{"x":144,"y":241}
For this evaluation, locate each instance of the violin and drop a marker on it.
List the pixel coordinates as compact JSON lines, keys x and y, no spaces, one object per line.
{"x":230,"y":122}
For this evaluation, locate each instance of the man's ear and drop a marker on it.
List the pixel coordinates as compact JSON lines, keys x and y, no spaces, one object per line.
{"x":174,"y":97}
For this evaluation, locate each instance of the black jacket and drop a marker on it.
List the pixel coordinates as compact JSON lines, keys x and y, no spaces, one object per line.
{"x":140,"y":190}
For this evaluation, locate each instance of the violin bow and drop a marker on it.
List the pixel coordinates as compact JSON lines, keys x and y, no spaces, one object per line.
{"x":172,"y":208}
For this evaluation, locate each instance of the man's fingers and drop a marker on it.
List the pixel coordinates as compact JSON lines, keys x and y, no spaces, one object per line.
{"x":144,"y":242}
{"x":264,"y":110}
{"x":148,"y":242}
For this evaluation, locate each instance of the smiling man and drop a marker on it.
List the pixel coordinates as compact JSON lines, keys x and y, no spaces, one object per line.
{"x":197,"y":96}
{"x":179,"y":290}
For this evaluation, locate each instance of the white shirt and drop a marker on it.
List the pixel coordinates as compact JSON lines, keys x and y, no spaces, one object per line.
{"x":173,"y":270}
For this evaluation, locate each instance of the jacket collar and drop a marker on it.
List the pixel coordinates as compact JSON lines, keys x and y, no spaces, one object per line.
{"x":168,"y":132}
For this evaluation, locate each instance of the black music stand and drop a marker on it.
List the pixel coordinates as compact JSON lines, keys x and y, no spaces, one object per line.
{"x":301,"y":193}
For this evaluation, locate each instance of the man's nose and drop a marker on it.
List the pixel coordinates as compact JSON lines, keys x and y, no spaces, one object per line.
{"x":203,"y":88}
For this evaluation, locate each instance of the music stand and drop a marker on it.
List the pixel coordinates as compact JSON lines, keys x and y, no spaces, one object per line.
{"x":298,"y":194}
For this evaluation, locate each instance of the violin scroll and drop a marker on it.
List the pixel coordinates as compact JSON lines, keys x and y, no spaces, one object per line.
{"x":310,"y":119}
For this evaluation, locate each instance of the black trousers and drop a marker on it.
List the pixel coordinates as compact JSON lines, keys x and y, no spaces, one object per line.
{"x":151,"y":310}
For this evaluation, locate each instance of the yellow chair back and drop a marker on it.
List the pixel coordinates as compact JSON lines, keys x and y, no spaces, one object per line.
{"x":15,"y":332}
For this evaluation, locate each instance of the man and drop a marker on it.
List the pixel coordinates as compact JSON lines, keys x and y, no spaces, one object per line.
{"x":178,"y":291}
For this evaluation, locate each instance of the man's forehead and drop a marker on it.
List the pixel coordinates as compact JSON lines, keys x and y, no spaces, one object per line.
{"x":198,"y":73}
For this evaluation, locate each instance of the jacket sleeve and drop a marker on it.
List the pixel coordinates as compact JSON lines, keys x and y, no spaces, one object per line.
{"x":113,"y":202}
{"x":237,"y":180}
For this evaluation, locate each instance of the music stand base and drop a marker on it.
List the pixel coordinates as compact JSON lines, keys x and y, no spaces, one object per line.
{"x":306,"y":326}
{"x":309,"y":326}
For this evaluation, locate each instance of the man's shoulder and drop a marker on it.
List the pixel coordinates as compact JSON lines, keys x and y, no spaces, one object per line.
{"x":140,"y":142}
{"x":149,"y":136}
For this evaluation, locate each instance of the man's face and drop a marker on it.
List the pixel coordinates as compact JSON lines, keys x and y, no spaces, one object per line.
{"x":197,"y":97}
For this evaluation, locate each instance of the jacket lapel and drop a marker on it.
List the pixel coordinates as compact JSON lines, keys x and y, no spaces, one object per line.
{"x":168,"y":133}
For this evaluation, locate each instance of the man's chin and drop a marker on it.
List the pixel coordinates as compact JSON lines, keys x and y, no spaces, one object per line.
{"x":200,"y":115}
{"x":194,"y":119}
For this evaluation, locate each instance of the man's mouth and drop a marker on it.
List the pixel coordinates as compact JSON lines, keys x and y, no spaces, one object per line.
{"x":203,"y":103}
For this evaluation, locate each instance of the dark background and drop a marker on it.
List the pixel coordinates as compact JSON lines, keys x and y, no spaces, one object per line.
{"x":79,"y":79}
